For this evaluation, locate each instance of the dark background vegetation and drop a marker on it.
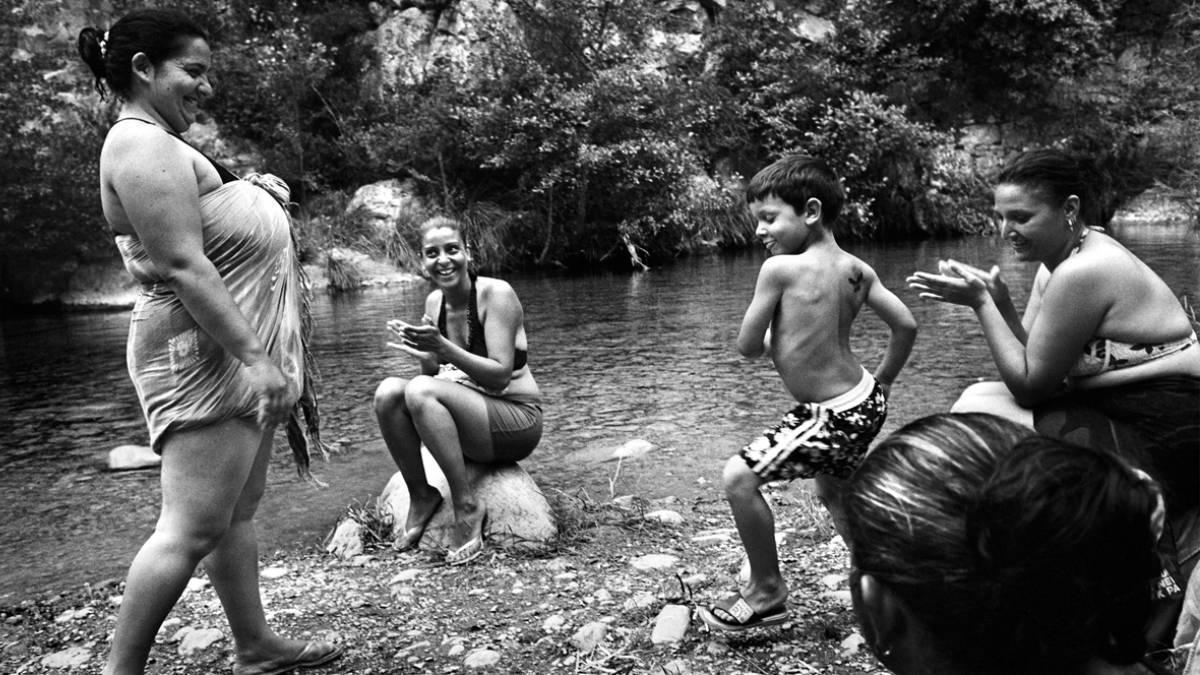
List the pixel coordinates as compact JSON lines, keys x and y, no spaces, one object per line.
{"x":588,"y":145}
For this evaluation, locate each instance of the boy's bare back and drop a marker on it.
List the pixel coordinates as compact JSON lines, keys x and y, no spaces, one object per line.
{"x":814,"y":298}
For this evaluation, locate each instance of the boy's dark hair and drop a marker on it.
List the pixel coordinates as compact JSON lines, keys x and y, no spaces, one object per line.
{"x":797,"y":178}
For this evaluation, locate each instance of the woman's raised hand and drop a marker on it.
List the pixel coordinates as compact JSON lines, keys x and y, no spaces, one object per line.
{"x":422,"y":342}
{"x":959,"y":283}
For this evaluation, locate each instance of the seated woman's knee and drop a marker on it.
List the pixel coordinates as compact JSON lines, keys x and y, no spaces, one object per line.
{"x":420,"y":392}
{"x":390,"y":393}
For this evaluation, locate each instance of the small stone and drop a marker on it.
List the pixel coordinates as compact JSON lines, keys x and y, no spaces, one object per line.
{"x":677,"y":667}
{"x":603,"y":596}
{"x":632,"y":449}
{"x":346,"y":541}
{"x":590,"y":636}
{"x":73,"y":614}
{"x":274,"y":572}
{"x":405,"y":576}
{"x":852,"y":644}
{"x":129,"y":457}
{"x":196,"y":584}
{"x":833,"y":581}
{"x":716,"y":649}
{"x":624,"y":502}
{"x":671,"y":625}
{"x":197,"y":640}
{"x":840,"y":597}
{"x":666,"y":517}
{"x":712,"y":538}
{"x":554,"y":623}
{"x":453,"y":647}
{"x":481,"y":658}
{"x":67,"y":659}
{"x":640,"y":600}
{"x":654,"y":561}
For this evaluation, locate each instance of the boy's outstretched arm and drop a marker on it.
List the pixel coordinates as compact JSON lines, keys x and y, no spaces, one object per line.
{"x":900,"y":320}
{"x":767,"y":290}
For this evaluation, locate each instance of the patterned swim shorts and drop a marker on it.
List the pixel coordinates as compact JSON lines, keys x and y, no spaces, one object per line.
{"x":830,"y":437}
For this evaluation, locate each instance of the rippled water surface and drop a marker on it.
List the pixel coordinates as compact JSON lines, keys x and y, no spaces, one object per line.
{"x":619,"y":357}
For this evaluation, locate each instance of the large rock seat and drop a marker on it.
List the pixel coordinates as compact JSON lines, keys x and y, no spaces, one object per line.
{"x":518,"y":515}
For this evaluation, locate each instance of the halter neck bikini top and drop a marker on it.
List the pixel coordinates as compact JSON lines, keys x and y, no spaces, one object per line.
{"x":475,"y":339}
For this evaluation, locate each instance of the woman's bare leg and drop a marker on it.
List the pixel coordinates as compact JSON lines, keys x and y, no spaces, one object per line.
{"x":233,"y":570}
{"x":404,"y":444}
{"x":204,"y":471}
{"x":452,"y":420}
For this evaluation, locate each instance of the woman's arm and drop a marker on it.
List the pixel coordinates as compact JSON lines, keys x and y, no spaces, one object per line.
{"x":501,"y":314}
{"x":156,"y":183}
{"x":757,"y":321}
{"x":1069,"y":310}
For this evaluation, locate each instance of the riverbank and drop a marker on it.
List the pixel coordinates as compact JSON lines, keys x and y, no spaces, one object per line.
{"x":591,"y":605}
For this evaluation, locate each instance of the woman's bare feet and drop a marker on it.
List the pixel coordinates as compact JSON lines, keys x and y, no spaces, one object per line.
{"x":467,"y":541}
{"x":420,"y":511}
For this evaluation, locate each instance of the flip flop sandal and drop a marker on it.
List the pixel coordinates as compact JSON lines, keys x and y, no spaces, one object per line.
{"x":314,"y":655}
{"x":465,"y":553}
{"x":734,"y":614}
{"x":412,"y":536}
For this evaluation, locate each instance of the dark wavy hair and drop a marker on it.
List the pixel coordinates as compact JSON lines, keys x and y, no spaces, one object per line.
{"x":159,"y":33}
{"x":797,"y":178}
{"x":1020,"y":553}
{"x":1056,"y":175}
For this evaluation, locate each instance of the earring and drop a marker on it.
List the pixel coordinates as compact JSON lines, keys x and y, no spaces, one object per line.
{"x":1071,"y":223}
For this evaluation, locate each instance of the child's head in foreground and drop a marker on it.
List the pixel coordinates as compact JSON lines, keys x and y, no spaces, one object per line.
{"x":980,"y":547}
{"x":794,"y":180}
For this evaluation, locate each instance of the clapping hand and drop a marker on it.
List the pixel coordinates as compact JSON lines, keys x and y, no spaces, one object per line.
{"x":421,"y":341}
{"x":960,"y":284}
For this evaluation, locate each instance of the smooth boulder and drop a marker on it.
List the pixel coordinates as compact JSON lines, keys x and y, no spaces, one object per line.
{"x":518,"y":515}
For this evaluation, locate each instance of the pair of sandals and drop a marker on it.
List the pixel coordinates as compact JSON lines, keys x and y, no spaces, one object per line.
{"x":455,"y":556}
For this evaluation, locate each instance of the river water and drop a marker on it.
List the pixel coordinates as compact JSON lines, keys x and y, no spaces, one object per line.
{"x":618,"y":356}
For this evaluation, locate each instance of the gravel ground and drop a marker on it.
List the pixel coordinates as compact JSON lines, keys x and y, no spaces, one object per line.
{"x":590,"y":605}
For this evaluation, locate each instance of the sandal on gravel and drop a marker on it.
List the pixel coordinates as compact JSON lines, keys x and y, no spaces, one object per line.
{"x":412,"y":536}
{"x":465,"y":553}
{"x":314,"y":655}
{"x":734,"y":614}
{"x":470,"y":550}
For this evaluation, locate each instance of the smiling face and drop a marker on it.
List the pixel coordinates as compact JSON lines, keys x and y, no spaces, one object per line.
{"x":1035,"y":229}
{"x":180,"y":83}
{"x":445,"y":256}
{"x":780,"y":228}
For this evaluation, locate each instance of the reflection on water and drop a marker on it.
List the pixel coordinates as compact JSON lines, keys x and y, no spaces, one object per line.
{"x":618,"y":357}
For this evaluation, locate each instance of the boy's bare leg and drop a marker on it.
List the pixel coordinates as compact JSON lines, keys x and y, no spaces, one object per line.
{"x":755,"y":522}
{"x":829,"y":490}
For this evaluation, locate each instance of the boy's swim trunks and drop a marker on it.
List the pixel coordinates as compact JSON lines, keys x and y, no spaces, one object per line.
{"x":830,"y":437}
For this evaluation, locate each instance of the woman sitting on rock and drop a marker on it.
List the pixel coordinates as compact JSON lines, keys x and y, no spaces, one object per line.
{"x":979,"y":547}
{"x":475,"y":398}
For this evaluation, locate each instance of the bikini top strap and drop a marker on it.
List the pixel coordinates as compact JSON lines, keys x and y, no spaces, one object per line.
{"x":473,"y":324}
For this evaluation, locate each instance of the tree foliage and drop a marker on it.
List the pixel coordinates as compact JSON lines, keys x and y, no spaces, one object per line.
{"x":594,"y":139}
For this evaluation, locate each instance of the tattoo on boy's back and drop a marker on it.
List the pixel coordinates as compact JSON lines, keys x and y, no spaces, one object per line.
{"x":856,"y":281}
